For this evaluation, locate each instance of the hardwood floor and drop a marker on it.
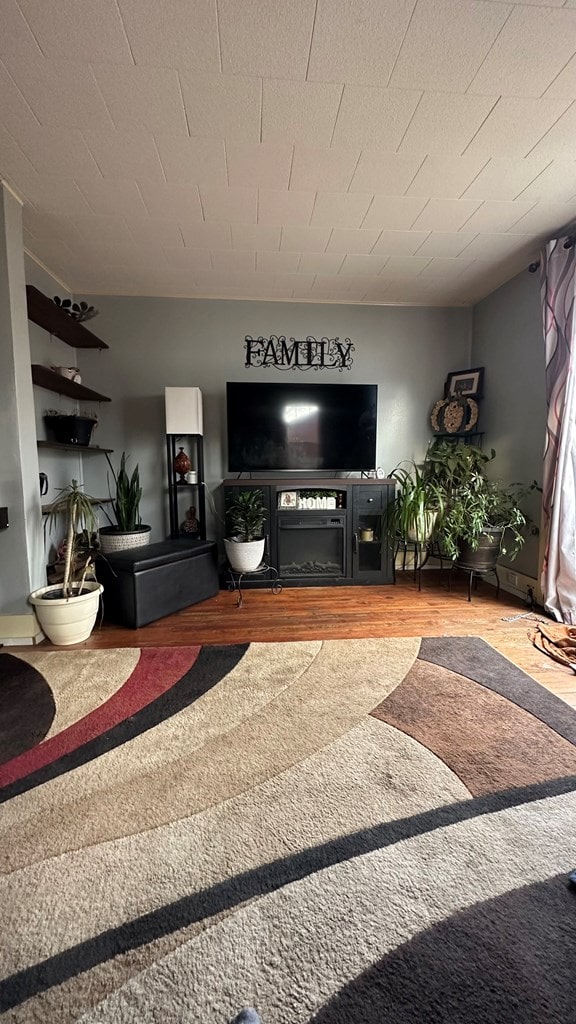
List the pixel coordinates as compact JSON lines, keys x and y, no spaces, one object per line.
{"x":343,"y":612}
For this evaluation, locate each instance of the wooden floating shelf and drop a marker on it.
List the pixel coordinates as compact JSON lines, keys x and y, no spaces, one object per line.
{"x":72,"y":447}
{"x":45,"y":313}
{"x":45,"y":378}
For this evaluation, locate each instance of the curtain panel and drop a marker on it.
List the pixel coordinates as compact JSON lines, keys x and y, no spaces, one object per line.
{"x":558,"y":288}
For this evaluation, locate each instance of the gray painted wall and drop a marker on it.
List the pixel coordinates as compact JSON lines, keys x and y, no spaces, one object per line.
{"x":507,"y":339}
{"x":177,"y":342}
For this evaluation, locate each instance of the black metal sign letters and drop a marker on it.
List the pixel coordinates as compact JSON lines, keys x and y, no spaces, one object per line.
{"x":292,"y":354}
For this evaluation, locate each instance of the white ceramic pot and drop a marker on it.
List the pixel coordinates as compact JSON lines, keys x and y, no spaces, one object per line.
{"x":244,"y":556}
{"x":423,"y":528}
{"x":67,"y":620}
{"x":112,"y":540}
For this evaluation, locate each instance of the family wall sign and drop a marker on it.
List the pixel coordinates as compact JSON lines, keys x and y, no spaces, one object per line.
{"x":294,"y":354}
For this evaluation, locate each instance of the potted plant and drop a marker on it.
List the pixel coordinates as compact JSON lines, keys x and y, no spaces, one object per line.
{"x":477,"y":511}
{"x":127,"y":531}
{"x":70,"y":428}
{"x":67,"y":610}
{"x":417,"y":504}
{"x":245,"y":517}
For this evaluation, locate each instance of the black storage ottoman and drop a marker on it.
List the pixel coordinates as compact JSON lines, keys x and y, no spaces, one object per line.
{"x":144,"y":584}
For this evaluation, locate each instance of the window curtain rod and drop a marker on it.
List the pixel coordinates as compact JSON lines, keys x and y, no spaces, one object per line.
{"x":568,"y":244}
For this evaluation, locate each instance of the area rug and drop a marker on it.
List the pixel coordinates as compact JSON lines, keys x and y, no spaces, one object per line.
{"x":341,"y":831}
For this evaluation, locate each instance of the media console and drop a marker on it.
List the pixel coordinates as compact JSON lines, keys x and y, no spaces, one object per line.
{"x":325,"y":532}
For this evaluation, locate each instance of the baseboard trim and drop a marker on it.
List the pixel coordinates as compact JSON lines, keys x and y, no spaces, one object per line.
{"x":20,"y":630}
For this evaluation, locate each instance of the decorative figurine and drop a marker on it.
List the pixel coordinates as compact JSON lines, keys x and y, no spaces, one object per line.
{"x":182,"y":465}
{"x":190,"y":524}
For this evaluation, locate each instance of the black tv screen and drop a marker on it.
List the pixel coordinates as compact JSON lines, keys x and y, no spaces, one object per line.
{"x":301,"y":426}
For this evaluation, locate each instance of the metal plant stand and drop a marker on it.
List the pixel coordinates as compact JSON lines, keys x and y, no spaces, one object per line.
{"x":235,"y":580}
{"x":474,"y":574}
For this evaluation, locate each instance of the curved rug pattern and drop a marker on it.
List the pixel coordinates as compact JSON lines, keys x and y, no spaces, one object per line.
{"x":337,"y":831}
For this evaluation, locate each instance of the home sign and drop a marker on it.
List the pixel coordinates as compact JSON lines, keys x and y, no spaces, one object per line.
{"x":293,"y":354}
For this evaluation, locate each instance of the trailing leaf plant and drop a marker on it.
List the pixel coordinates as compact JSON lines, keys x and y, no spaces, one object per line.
{"x":417,"y":504}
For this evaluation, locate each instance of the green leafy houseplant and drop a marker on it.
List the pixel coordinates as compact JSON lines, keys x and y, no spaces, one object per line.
{"x":474,"y":506}
{"x":126,"y":504}
{"x":78,"y":511}
{"x":417,"y":504}
{"x":245,"y":515}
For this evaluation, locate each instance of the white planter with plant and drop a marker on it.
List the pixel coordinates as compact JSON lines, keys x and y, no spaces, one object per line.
{"x":417,"y":505}
{"x":127,"y":531}
{"x":245,"y":517}
{"x":67,"y":611}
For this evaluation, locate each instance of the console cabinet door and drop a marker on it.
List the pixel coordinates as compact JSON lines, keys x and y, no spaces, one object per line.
{"x":371,"y":555}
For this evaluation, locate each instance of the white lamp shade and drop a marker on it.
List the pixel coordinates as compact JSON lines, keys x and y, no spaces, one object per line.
{"x":183,"y":411}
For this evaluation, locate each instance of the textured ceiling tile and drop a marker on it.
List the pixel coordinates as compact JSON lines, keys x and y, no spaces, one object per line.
{"x":557,"y":183}
{"x":150,"y":231}
{"x":446,"y":42}
{"x":17,"y":42}
{"x":259,"y":165}
{"x":255,"y":237}
{"x":504,"y":178}
{"x":358,"y":42}
{"x":285,"y":208}
{"x":445,"y":123}
{"x":514,"y":126}
{"x":69,"y":28}
{"x":269,"y":40}
{"x":173,"y":33}
{"x":545,"y":218}
{"x":323,"y":168}
{"x":174,"y":202}
{"x":564,"y":85}
{"x":404,"y":266}
{"x":532,"y":48}
{"x":222,"y":106}
{"x":320,"y":263}
{"x":278,"y":262}
{"x":193,"y":259}
{"x":15,"y":112}
{"x":558,"y":143}
{"x":125,"y":155}
{"x":352,"y":240}
{"x":400,"y":243}
{"x":394,"y":213}
{"x":299,"y":111}
{"x":102,"y":230}
{"x":119,"y":198}
{"x":374,"y":117}
{"x":295,"y":239}
{"x":495,"y":216}
{"x":340,"y":285}
{"x":229,"y":205}
{"x":49,"y":227}
{"x":63,"y":94}
{"x":59,"y":195}
{"x":444,"y":267}
{"x":141,"y":97}
{"x":363,"y":263}
{"x":207,"y":236}
{"x":57,"y":152}
{"x":388,"y":173}
{"x":446,"y":214}
{"x":192,"y":161}
{"x":232,"y":261}
{"x":445,"y":243}
{"x":495,"y":246}
{"x":446,"y":178}
{"x":15,"y":165}
{"x":344,"y":209}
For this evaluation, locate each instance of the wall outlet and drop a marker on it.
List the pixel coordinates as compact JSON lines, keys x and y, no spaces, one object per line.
{"x":512,"y":579}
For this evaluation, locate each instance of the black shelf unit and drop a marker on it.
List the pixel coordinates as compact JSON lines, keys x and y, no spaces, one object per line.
{"x":45,"y":313}
{"x":176,"y":488}
{"x":42,"y":377}
{"x":56,"y":446}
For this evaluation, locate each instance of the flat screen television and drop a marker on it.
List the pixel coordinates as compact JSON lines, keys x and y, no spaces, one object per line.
{"x":298,"y":426}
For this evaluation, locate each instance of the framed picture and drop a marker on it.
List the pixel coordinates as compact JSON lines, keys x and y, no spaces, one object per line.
{"x":287,"y":499}
{"x":464,"y":382}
